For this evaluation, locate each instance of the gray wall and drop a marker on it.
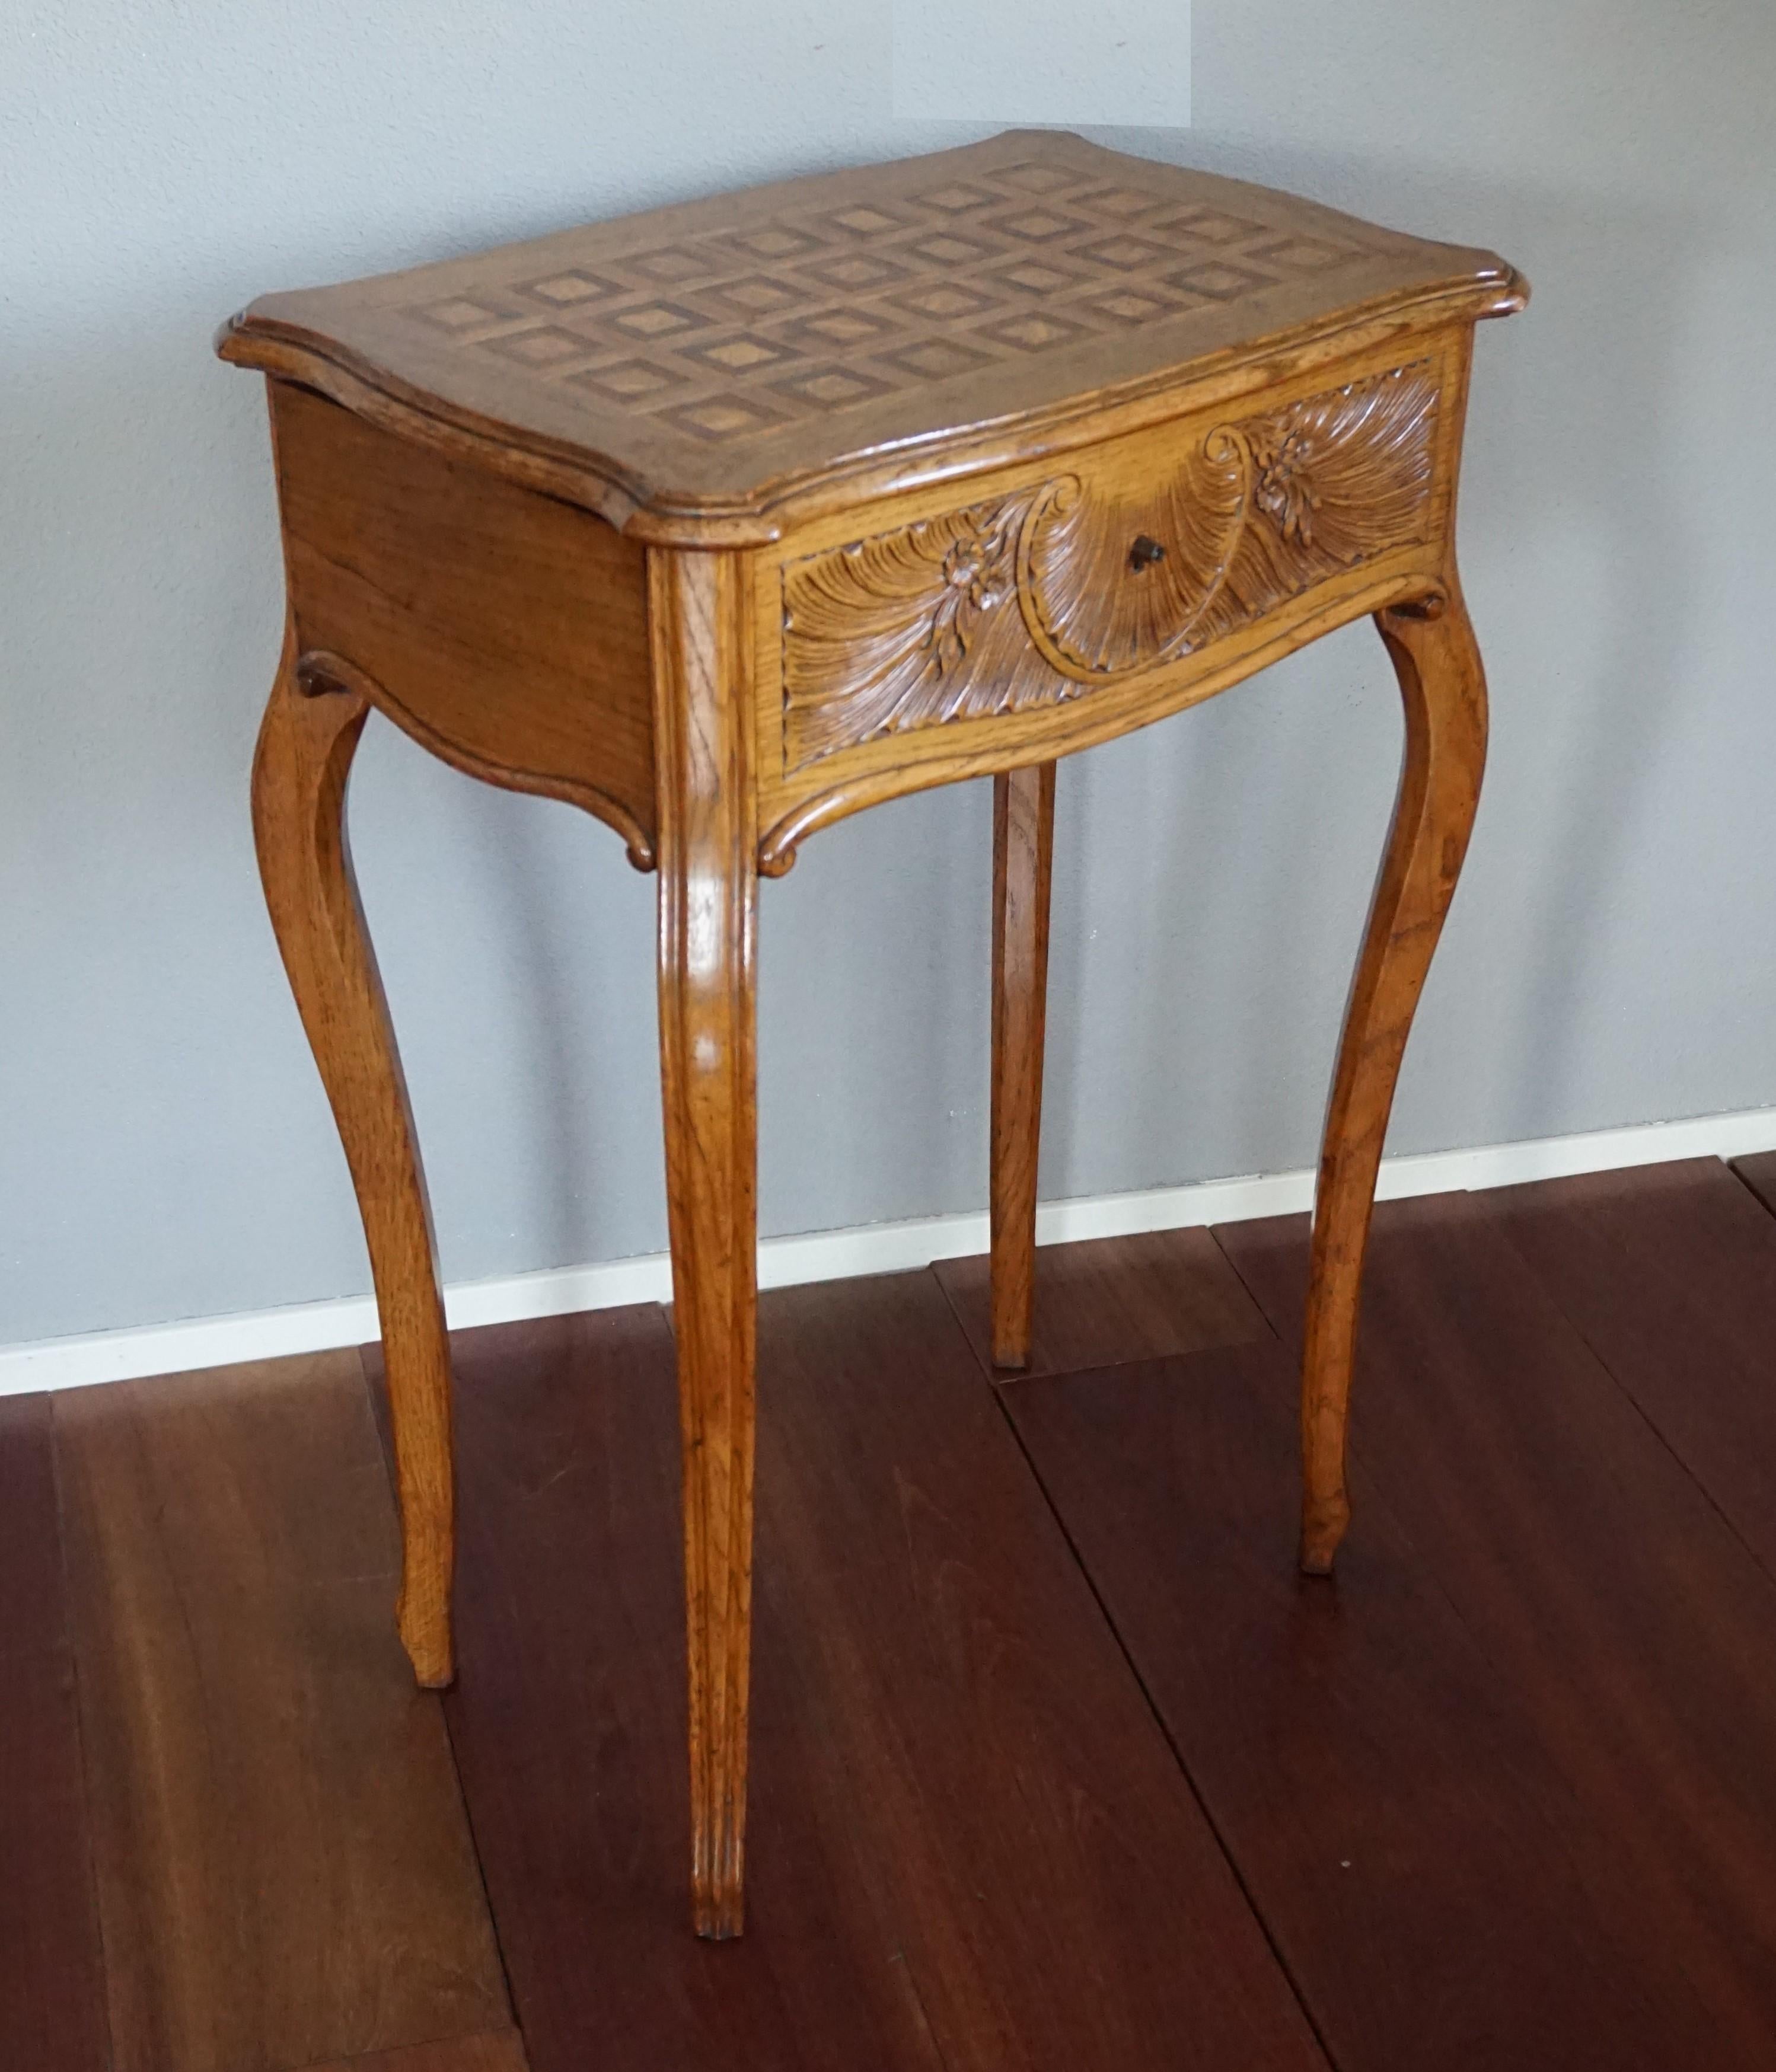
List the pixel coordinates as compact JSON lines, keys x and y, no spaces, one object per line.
{"x":164,"y":1148}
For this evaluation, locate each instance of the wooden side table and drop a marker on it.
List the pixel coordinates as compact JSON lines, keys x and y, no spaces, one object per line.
{"x":729,"y":519}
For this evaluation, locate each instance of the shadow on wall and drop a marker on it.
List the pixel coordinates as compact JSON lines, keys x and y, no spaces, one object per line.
{"x":1226,"y":860}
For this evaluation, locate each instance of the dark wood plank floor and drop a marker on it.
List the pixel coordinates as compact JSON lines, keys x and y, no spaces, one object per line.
{"x":1058,"y":1763}
{"x":52,"y":1972}
{"x":284,"y":1864}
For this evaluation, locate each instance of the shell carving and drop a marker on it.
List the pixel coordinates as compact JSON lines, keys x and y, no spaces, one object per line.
{"x":1035,"y":598}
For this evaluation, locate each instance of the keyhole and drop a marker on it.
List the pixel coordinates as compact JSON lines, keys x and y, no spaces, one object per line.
{"x":1145,"y":553}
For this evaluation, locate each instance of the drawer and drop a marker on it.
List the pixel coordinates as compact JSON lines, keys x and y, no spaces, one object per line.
{"x":1117,"y":567}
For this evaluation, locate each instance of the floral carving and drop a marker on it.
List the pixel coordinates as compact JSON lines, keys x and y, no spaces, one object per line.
{"x":976,"y":578}
{"x":1031,"y":598}
{"x":1284,"y":487}
{"x":909,"y":629}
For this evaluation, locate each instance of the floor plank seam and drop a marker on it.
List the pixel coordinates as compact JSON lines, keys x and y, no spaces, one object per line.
{"x":480,"y":1872}
{"x":1756,"y":1193}
{"x":1375,"y":1493}
{"x":1009,"y":1377}
{"x":379,"y":1426}
{"x":999,"y":1385}
{"x":1246,"y":1893}
{"x":1252,"y":1292}
{"x":1598,"y":1354}
{"x":985,"y":1367}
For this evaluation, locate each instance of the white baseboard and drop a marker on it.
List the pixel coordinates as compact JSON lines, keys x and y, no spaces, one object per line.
{"x":308,"y":1327}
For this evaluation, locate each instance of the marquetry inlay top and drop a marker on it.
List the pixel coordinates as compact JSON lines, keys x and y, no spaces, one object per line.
{"x":701,"y":356}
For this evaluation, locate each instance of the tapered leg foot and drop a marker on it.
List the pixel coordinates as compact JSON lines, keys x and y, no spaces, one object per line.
{"x":1444,"y":691}
{"x":708,"y":910}
{"x":307,"y":741}
{"x":1023,"y":859}
{"x":1321,"y":1533}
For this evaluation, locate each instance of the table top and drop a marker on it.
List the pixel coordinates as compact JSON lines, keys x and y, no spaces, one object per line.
{"x":714,"y":357}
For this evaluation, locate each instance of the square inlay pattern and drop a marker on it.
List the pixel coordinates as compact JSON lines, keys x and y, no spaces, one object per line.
{"x":823,"y":309}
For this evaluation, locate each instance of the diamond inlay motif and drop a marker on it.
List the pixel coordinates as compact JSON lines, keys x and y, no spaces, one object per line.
{"x":458,"y":313}
{"x":833,"y":387}
{"x":1032,"y":334}
{"x":855,"y":271}
{"x":545,"y":346}
{"x":775,"y":241}
{"x":673,"y":264}
{"x":1127,"y":255}
{"x":937,"y":358}
{"x":947,"y":248}
{"x":743,"y":355}
{"x":866,"y":220}
{"x":657,"y":320}
{"x":843,"y":327}
{"x":722,"y":417}
{"x":954,"y":199}
{"x":1038,"y":226}
{"x":1118,"y":202}
{"x":944,"y":301}
{"x":757,"y":296}
{"x":1039,"y":179}
{"x":630,"y":382}
{"x":1224,"y":283}
{"x":1039,"y":276}
{"x":729,"y":335}
{"x":560,"y":290}
{"x":1132,"y":306}
{"x":1300,"y":254}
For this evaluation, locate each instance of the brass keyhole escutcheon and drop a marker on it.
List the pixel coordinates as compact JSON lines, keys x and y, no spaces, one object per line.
{"x":1144,"y":553}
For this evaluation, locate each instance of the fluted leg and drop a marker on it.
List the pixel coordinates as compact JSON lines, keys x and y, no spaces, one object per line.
{"x":307,"y":741}
{"x":1023,"y":856}
{"x":1444,"y":691}
{"x":708,"y":912}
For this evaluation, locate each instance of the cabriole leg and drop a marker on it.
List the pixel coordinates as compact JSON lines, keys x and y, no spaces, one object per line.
{"x":1437,"y":662}
{"x":307,"y":741}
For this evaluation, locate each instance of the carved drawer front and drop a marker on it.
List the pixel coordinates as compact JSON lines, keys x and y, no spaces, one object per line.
{"x":1107,"y":569}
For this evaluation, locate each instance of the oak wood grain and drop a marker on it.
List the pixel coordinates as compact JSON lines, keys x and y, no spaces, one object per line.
{"x":51,"y":1967}
{"x":1443,"y":689}
{"x":708,"y":912}
{"x":284,"y":1870}
{"x":1416,"y":1857}
{"x":1106,"y":1300}
{"x":971,"y":1846}
{"x":700,"y":369}
{"x":1600,"y":1580}
{"x":939,"y":469}
{"x":1022,"y":866}
{"x":307,"y":741}
{"x":505,"y":631}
